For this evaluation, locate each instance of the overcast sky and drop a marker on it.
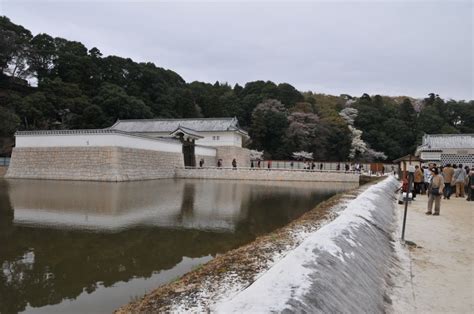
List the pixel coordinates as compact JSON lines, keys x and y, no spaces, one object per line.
{"x":391,"y":48}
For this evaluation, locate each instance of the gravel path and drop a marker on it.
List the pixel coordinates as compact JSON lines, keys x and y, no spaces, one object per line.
{"x":438,"y":272}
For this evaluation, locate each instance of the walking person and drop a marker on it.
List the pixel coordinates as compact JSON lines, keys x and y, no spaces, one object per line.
{"x":426,"y":178}
{"x":435,"y":190}
{"x":201,"y":162}
{"x":458,"y":178}
{"x":234,"y":164}
{"x":466,"y":181}
{"x":448,"y":173}
{"x":418,"y":179}
{"x":470,"y":185}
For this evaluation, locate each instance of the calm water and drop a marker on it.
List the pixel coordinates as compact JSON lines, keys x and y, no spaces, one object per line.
{"x":80,"y":247}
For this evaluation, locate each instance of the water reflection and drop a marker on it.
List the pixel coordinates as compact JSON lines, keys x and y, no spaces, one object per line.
{"x":63,"y":244}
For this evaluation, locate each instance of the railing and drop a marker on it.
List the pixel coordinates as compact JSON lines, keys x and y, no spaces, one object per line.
{"x":322,"y":165}
{"x":272,"y":169}
{"x":4,"y":161}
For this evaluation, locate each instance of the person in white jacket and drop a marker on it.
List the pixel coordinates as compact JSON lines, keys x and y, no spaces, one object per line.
{"x":426,"y":177}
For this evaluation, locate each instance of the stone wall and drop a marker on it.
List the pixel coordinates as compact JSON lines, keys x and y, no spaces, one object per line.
{"x":209,"y":161}
{"x":129,"y":164}
{"x":228,"y":153}
{"x":138,"y":164}
{"x":92,"y":163}
{"x":266,"y":175}
{"x":3,"y":171}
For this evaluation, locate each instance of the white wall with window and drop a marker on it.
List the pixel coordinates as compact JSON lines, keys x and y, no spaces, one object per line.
{"x":230,"y":138}
{"x":220,"y":139}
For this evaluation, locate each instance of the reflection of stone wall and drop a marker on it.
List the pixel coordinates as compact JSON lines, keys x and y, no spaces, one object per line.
{"x":209,"y":161}
{"x":266,"y":175}
{"x":227,"y":153}
{"x":92,"y":163}
{"x":213,"y":205}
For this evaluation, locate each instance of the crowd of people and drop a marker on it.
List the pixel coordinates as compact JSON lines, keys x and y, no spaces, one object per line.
{"x":442,"y":182}
{"x":305,"y":165}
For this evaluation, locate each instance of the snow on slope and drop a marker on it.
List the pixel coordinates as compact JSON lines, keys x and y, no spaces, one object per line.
{"x":342,"y":267}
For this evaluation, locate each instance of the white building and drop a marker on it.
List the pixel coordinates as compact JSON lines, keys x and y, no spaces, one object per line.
{"x":207,"y":139}
{"x":447,"y":148}
{"x":206,"y":131}
{"x":129,"y":150}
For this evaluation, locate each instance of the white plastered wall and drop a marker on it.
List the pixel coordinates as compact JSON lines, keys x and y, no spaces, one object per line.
{"x":225,"y":138}
{"x":205,"y":151}
{"x":91,"y":140}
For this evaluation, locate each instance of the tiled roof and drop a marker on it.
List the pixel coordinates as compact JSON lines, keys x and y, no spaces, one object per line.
{"x":90,"y":131}
{"x":186,"y":131}
{"x":169,"y":125}
{"x":436,"y":142}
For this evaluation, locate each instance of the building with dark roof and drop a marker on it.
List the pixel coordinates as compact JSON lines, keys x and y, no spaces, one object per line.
{"x":129,"y":150}
{"x":447,"y":148}
{"x":205,"y":131}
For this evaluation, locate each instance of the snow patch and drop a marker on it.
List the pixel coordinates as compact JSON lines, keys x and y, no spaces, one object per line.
{"x":290,"y":283}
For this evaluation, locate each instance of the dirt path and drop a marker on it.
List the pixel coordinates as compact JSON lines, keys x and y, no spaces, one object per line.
{"x":442,"y":262}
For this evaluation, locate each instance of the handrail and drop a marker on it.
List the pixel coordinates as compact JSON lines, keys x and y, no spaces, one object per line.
{"x":270,"y":169}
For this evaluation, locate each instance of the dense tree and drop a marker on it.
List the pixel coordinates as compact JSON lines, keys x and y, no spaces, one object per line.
{"x":302,"y":131}
{"x":14,"y":48}
{"x":92,"y":117}
{"x":269,"y":124}
{"x":10,"y":122}
{"x":43,"y":55}
{"x":116,"y":104}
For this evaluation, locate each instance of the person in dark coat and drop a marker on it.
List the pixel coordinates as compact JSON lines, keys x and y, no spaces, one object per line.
{"x":470,"y":185}
{"x":234,"y":164}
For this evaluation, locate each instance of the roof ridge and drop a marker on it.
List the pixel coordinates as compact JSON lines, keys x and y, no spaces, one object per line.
{"x":174,"y":119}
{"x":456,"y":134}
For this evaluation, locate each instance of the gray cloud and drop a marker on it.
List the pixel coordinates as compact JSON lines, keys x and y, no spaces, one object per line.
{"x":392,"y":48}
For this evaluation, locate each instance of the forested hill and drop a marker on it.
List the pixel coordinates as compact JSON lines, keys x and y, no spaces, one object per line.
{"x":78,"y":87}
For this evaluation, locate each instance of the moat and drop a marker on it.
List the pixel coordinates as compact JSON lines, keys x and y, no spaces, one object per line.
{"x":75,"y":247}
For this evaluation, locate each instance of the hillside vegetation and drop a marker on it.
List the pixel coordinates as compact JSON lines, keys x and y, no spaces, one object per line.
{"x":77,"y":87}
